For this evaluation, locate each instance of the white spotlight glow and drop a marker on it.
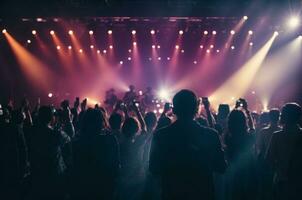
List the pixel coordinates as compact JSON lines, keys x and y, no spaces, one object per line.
{"x":214,"y":32}
{"x":91,"y":46}
{"x":70,"y":32}
{"x":201,"y":46}
{"x":34,"y":32}
{"x":104,"y":51}
{"x":293,"y":22}
{"x":152,"y":32}
{"x":245,"y":17}
{"x":251,"y":44}
{"x":129,"y":58}
{"x":121,"y":62}
{"x":250,"y":32}
{"x":109,"y":32}
{"x":232,"y":47}
{"x":276,"y":33}
{"x":81,"y":50}
{"x":195,"y":62}
{"x":134,"y":43}
{"x":205,"y":32}
{"x":58,"y":47}
{"x":4,"y":31}
{"x":52,"y":32}
{"x":168,"y":58}
{"x":50,"y":95}
{"x":176,"y":46}
{"x":153,"y":46}
{"x":133,"y":32}
{"x":69,"y":47}
{"x":28,"y":41}
{"x":110,"y":47}
{"x":90,"y":32}
{"x":232,"y":32}
{"x":158,"y":46}
{"x":181,"y":32}
{"x":163,"y":94}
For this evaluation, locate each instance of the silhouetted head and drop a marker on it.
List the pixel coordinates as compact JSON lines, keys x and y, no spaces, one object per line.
{"x":163,"y":122}
{"x":237,"y":122}
{"x":93,"y":122}
{"x":274,"y":116}
{"x":150,"y":120}
{"x":131,"y":87}
{"x":185,"y":104}
{"x":291,"y":114}
{"x":223,"y":111}
{"x":115,"y":121}
{"x":130,"y":127}
{"x":264,"y":118}
{"x":45,"y":115}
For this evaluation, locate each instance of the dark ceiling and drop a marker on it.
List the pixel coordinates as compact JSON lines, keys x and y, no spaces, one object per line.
{"x":81,"y":8}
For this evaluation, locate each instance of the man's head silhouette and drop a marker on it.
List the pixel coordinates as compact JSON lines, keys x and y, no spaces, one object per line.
{"x":185,"y":104}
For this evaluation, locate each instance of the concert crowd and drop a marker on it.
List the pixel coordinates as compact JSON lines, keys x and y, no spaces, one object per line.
{"x":124,"y":150}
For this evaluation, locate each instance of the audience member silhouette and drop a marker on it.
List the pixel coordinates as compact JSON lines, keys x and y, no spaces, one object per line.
{"x":239,"y":141}
{"x":185,"y":155}
{"x":284,"y":154}
{"x":47,"y":163}
{"x":96,"y":159}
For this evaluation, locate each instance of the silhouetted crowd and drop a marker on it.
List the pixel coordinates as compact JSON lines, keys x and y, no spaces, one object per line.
{"x":186,"y":152}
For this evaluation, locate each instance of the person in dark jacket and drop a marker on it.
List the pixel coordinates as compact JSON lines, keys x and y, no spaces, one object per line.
{"x":185,"y":155}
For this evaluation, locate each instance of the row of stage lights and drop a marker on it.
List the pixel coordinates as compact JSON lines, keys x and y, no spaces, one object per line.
{"x":133,"y":32}
{"x":292,"y":22}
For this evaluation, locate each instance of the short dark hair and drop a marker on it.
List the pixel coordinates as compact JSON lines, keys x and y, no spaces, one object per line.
{"x":150,"y":120}
{"x":45,"y":114}
{"x":185,"y":104}
{"x":130,"y":127}
{"x":115,"y":121}
{"x":291,"y":113}
{"x":274,"y":115}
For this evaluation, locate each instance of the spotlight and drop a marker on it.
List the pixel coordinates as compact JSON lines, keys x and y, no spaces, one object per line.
{"x":129,"y":50}
{"x":153,"y":46}
{"x":134,"y":43}
{"x":28,"y":41}
{"x":50,"y":95}
{"x":149,"y":59}
{"x":205,"y":32}
{"x":163,"y":94}
{"x":121,"y":62}
{"x":253,"y":92}
{"x":182,"y":51}
{"x":245,"y":17}
{"x":251,"y":44}
{"x":232,"y":47}
{"x":159,"y":58}
{"x":214,"y":32}
{"x":217,"y":50}
{"x":208,"y":51}
{"x":69,"y":47}
{"x":293,"y":22}
{"x":52,"y":32}
{"x":34,"y":32}
{"x":300,"y":37}
{"x":232,"y":32}
{"x":91,"y":46}
{"x":98,"y":51}
{"x":129,"y":58}
{"x":181,"y":32}
{"x":110,"y":47}
{"x":276,"y":33}
{"x":81,"y":50}
{"x":104,"y":51}
{"x":109,"y":32}
{"x":211,"y":46}
{"x":90,"y":32}
{"x":201,"y":46}
{"x":158,"y":46}
{"x":250,"y":32}
{"x":195,"y":62}
{"x":168,"y":58}
{"x":133,"y":32}
{"x":152,"y":32}
{"x":4,"y":31}
{"x":176,"y":46}
{"x":70,"y":32}
{"x":58,"y":47}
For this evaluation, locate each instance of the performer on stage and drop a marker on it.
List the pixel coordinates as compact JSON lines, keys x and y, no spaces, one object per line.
{"x":130,"y":96}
